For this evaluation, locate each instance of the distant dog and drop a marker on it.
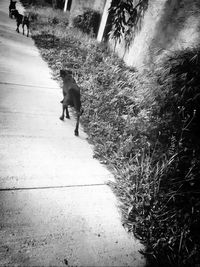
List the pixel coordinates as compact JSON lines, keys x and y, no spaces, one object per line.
{"x":21,"y":19}
{"x":12,"y":7}
{"x":72,"y":97}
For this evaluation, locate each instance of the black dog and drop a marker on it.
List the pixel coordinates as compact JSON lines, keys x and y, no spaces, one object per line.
{"x":12,"y":7}
{"x":72,"y":97}
{"x":21,"y":19}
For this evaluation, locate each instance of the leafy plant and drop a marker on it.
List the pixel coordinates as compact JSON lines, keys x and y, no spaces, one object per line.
{"x":125,"y":18}
{"x":179,"y":110}
{"x":88,"y":22}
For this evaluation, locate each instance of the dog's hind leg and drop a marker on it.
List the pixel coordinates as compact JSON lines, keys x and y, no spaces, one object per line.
{"x":17,"y":30}
{"x":77,"y":124}
{"x":27,"y":30}
{"x":23,"y":28}
{"x":64,"y":109}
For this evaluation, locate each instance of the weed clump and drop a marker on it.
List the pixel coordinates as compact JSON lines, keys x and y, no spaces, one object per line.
{"x":46,"y":16}
{"x":88,"y":22}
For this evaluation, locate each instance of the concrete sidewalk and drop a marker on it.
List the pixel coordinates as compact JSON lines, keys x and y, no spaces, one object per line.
{"x":56,"y":209}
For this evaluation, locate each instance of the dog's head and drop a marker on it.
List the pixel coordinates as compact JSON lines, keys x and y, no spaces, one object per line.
{"x":14,"y":12}
{"x":64,"y":73}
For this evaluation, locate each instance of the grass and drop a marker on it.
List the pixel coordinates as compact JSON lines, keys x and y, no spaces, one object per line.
{"x":134,"y":121}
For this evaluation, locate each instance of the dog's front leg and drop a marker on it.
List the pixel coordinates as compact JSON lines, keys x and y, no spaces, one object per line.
{"x":63,"y":113}
{"x":67,"y":112}
{"x":17,"y":30}
{"x":77,"y":124}
{"x":27,"y":31}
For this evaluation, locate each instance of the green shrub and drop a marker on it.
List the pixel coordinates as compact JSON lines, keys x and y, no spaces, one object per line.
{"x":41,"y":3}
{"x":48,"y":16}
{"x":174,"y":216}
{"x":88,"y":22}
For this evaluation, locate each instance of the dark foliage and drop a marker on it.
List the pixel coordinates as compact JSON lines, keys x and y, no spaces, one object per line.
{"x":125,"y":18}
{"x":174,"y":216}
{"x":27,"y":3}
{"x":88,"y":22}
{"x":59,"y":3}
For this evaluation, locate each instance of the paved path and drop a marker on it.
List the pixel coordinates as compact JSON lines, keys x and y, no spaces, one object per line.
{"x":55,"y":208}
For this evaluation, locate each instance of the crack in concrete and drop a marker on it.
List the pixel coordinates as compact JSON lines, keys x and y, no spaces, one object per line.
{"x":49,"y":187}
{"x":28,"y":113}
{"x":28,"y":85}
